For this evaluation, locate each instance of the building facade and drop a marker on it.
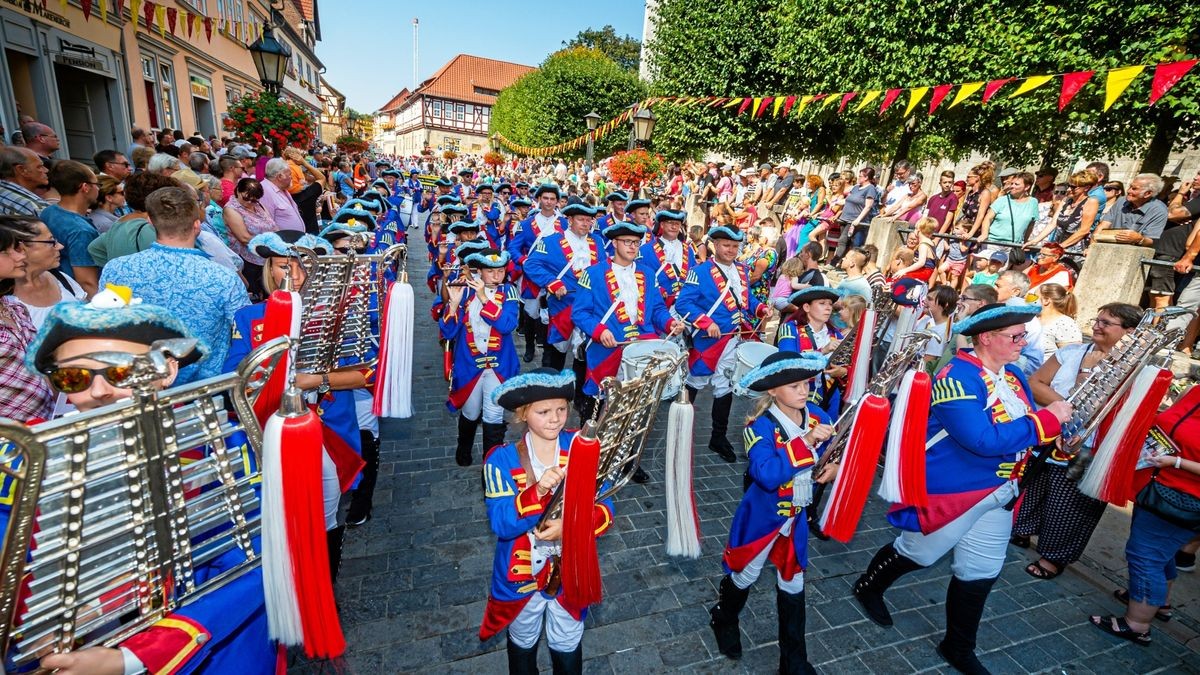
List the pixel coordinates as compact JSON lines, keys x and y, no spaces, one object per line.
{"x":333,"y":113}
{"x":449,"y":111}
{"x":93,"y":79}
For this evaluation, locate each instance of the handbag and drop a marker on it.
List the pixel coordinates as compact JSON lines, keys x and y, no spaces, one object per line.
{"x":1175,"y":507}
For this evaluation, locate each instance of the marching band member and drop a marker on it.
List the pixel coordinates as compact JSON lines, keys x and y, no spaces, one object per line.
{"x":518,"y":211}
{"x":519,"y":479}
{"x":784,"y":437}
{"x":486,"y":212}
{"x":479,"y":319}
{"x":463,"y":188}
{"x":982,"y":421}
{"x":555,"y":264}
{"x":523,"y":191}
{"x":333,"y":390}
{"x":616,"y":203}
{"x":222,"y":631}
{"x":716,"y":299}
{"x":443,"y":239}
{"x":616,"y":304}
{"x":667,"y":257}
{"x":817,"y":333}
{"x":639,"y":212}
{"x":546,"y":221}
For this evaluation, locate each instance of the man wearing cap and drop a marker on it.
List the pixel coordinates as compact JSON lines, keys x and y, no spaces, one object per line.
{"x":716,"y":299}
{"x":1048,"y":270}
{"x":1043,"y":184}
{"x":544,"y":222}
{"x":485,"y":212}
{"x":616,"y":214}
{"x":667,"y":258}
{"x":982,"y":421}
{"x":616,"y":304}
{"x":555,"y":265}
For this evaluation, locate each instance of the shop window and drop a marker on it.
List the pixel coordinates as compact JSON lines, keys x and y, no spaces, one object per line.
{"x":166,"y":97}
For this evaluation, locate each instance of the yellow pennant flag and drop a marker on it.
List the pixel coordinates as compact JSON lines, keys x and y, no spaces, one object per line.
{"x":64,"y":4}
{"x":871,"y":96}
{"x":804,"y":101}
{"x":104,"y":10}
{"x":160,"y":18}
{"x":914,"y":97}
{"x":754,"y":108}
{"x":829,"y":100}
{"x":1118,"y":81}
{"x":732,"y":102}
{"x":965,"y":92}
{"x":135,"y":13}
{"x":1031,"y":83}
{"x":778,"y":104}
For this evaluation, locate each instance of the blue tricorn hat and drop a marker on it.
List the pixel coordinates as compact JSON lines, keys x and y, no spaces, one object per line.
{"x":338,"y":230}
{"x":455,"y":209}
{"x":723,"y":232}
{"x":670,"y":215}
{"x":468,"y":247}
{"x":488,"y":258}
{"x":448,"y":199}
{"x":996,"y":316}
{"x":579,"y":210}
{"x":783,"y":368}
{"x":547,"y":187}
{"x":814,"y":293}
{"x":539,"y":385}
{"x":283,"y":243}
{"x":624,"y":229}
{"x":520,"y":201}
{"x":355,"y":216}
{"x":442,"y":182}
{"x":462,"y":225}
{"x":637,"y":204}
{"x":617,"y":196}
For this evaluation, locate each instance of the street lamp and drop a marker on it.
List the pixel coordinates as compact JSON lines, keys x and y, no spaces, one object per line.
{"x":270,"y":60}
{"x":495,"y":142}
{"x":593,"y":121}
{"x":643,"y":127}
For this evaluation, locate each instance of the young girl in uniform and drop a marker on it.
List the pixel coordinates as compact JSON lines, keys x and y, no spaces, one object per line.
{"x":520,"y":479}
{"x":784,"y":437}
{"x":812,"y":329}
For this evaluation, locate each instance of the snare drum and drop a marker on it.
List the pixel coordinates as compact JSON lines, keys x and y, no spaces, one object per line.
{"x":636,"y":357}
{"x":748,"y":356}
{"x":406,"y":208}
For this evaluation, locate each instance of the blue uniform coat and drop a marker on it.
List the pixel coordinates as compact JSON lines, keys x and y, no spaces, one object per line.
{"x":704,"y":285}
{"x":501,"y":312}
{"x":549,"y":266}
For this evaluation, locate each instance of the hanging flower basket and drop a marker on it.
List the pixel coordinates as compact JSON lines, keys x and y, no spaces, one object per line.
{"x":263,"y":119}
{"x":350,"y":144}
{"x":449,"y":155}
{"x":493,"y":158}
{"x":635,"y":167}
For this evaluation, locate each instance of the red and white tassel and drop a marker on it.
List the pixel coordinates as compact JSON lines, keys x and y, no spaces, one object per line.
{"x":296,"y":575}
{"x":281,"y":317}
{"x":393,"y":376}
{"x":848,"y":494}
{"x":1110,"y":474}
{"x":904,"y":464}
{"x":580,"y":563}
{"x":683,"y":523}
{"x":859,"y":370}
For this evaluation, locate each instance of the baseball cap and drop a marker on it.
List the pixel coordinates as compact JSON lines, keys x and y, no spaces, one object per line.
{"x":999,"y":256}
{"x":242,"y":152}
{"x":747,"y":172}
{"x":1008,"y":171}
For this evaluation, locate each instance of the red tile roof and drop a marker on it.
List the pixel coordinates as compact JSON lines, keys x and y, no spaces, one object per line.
{"x":459,"y":78}
{"x":396,"y":102}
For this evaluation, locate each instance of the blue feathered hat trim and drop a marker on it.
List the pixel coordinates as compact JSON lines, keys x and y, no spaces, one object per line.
{"x":338,"y":230}
{"x":722,"y":232}
{"x":782,"y":368}
{"x":504,"y":186}
{"x":355,"y":217}
{"x":468,"y":247}
{"x":392,"y":172}
{"x":485,"y":186}
{"x":539,"y":385}
{"x":106,"y":316}
{"x":617,"y":196}
{"x":520,"y":201}
{"x":670,"y":215}
{"x":455,"y":209}
{"x":814,"y":293}
{"x":547,"y":187}
{"x":623,"y":229}
{"x":442,"y":182}
{"x":995,"y":316}
{"x":488,"y":258}
{"x":580,"y":210}
{"x":446,"y":200}
{"x":463,"y":225}
{"x":283,"y":242}
{"x":637,"y":204}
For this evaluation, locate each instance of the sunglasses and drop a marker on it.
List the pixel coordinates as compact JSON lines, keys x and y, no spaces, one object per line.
{"x":74,"y":379}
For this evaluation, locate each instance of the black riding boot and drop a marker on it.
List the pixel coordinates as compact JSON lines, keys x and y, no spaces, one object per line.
{"x":886,"y":567}
{"x":793,"y":652}
{"x":720,"y":423}
{"x":493,"y":435}
{"x":333,"y":540}
{"x":692,"y":394}
{"x":522,"y":661}
{"x":567,"y":663}
{"x":724,"y":622}
{"x":552,"y":358}
{"x":582,"y":401}
{"x":466,"y":440}
{"x":529,"y":330}
{"x":360,"y":502}
{"x":964,"y":609}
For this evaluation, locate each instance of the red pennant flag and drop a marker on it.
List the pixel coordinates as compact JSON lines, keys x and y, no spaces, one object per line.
{"x":1167,"y":75}
{"x":187,"y":20}
{"x":940,"y":92}
{"x":172,"y":15}
{"x":148,"y":13}
{"x":745,"y":104}
{"x":994,"y":86}
{"x":787,"y":104}
{"x":87,"y":9}
{"x":765,"y":102}
{"x":888,"y":99}
{"x":208,"y":25}
{"x":1071,"y":84}
{"x":846,"y":98}
{"x":120,"y":7}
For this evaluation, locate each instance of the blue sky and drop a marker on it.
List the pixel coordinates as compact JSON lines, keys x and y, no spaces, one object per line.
{"x":357,"y":33}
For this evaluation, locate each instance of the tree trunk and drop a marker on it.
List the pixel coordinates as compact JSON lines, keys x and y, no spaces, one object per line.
{"x":1053,"y":152}
{"x":1166,"y":130}
{"x":903,"y":147}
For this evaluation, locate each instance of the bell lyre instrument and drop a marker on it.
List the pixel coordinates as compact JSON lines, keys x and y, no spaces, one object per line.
{"x":881,"y":301}
{"x":119,"y":514}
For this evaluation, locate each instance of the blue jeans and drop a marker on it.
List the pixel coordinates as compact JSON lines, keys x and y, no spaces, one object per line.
{"x":1150,"y":553}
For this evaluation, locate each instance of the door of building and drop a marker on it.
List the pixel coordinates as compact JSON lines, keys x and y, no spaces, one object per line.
{"x":75,"y":97}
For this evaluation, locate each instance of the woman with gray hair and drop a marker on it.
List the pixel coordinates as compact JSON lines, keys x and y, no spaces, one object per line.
{"x":163,"y":164}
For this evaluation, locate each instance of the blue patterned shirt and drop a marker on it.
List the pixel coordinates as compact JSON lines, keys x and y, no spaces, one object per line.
{"x":203,"y":294}
{"x":17,"y":201}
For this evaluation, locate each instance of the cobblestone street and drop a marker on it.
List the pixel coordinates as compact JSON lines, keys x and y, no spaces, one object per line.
{"x":414,"y":579}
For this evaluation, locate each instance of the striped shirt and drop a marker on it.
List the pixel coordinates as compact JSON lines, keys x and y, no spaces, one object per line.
{"x":17,"y":201}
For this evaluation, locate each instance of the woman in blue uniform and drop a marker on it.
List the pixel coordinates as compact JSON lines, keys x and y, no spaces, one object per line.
{"x":810,"y":329}
{"x":333,"y":392}
{"x":519,"y":479}
{"x":784,"y":436}
{"x":479,"y":320}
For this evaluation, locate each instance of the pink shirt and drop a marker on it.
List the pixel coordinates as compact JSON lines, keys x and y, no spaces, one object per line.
{"x":281,"y":207}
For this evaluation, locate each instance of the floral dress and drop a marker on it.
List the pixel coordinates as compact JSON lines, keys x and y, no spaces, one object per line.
{"x":761,"y":289}
{"x":257,"y":221}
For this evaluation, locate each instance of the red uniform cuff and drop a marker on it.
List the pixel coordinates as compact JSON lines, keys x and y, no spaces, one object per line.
{"x":528,"y":503}
{"x":799,"y":454}
{"x":1047,"y":426}
{"x":703,"y":322}
{"x":491,"y":310}
{"x":598,"y":332}
{"x":167,"y":645}
{"x":763,"y":310}
{"x":553,"y":286}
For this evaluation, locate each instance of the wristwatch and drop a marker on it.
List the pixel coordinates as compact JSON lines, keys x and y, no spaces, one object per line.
{"x":324,"y":388}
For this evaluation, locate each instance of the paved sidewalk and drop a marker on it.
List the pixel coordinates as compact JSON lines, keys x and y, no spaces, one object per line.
{"x":414,"y":579}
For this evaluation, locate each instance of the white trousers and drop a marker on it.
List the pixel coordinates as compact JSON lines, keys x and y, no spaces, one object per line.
{"x":720,"y":379}
{"x":979,"y":538}
{"x":331,"y":490}
{"x":749,"y":575}
{"x":480,"y":400}
{"x":563,"y":632}
{"x":532,"y":307}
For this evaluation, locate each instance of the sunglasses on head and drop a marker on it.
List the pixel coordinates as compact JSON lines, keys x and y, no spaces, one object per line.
{"x":74,"y":379}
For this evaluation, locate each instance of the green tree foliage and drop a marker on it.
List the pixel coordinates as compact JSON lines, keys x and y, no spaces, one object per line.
{"x":754,"y":47}
{"x":626,"y":50}
{"x":547,"y":106}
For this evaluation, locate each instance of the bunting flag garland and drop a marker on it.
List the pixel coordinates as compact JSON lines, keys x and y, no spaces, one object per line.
{"x":104,"y":10}
{"x":121,"y":8}
{"x":160,"y":18}
{"x":208,"y":26}
{"x":1072,"y":83}
{"x":172,"y":17}
{"x":1167,"y":75}
{"x":1117,"y":82}
{"x":86,"y":6}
